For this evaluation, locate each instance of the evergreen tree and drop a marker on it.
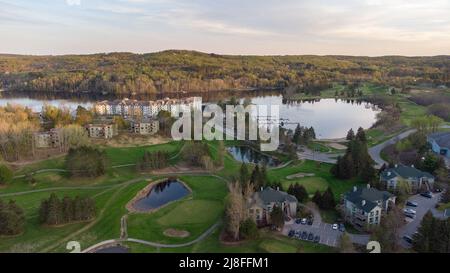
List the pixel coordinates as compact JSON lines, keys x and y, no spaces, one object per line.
{"x":244,"y":176}
{"x":361,"y":135}
{"x":277,"y":217}
{"x":350,"y":135}
{"x":317,"y":198}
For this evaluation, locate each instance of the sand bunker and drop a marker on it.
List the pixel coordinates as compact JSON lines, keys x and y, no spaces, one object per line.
{"x":299,"y":175}
{"x":176,"y":233}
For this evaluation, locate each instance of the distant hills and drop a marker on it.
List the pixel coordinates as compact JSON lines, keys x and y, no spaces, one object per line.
{"x":191,"y":71}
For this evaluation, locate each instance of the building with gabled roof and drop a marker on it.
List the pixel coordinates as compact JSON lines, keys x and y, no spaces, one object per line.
{"x":416,"y":179}
{"x":262,"y":202}
{"x":364,"y":206}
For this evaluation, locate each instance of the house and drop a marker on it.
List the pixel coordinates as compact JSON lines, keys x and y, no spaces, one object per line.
{"x":440,"y":143}
{"x":262,"y":202}
{"x":102,"y":130}
{"x":145,"y":127}
{"x":49,"y":139}
{"x":414,"y":177}
{"x":363,"y":206}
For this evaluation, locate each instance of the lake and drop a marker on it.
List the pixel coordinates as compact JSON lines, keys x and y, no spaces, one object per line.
{"x":330,"y":118}
{"x":162,"y":194}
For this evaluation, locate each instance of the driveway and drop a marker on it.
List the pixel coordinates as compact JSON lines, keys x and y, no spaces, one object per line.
{"x":425,"y":204}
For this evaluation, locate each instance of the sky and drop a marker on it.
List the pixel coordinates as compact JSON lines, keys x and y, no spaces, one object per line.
{"x":238,"y":27}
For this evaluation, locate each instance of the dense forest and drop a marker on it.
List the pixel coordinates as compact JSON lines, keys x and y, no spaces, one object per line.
{"x":189,"y":71}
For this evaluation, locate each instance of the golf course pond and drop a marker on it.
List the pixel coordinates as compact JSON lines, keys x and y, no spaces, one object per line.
{"x":249,"y":155}
{"x":159,"y":194}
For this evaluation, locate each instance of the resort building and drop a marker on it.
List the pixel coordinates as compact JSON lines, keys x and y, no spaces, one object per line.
{"x":262,"y":202}
{"x":440,"y":143}
{"x":145,"y":127}
{"x":102,"y":130}
{"x":415,"y":178}
{"x":49,"y":139}
{"x":363,"y":206}
{"x":146,"y":109}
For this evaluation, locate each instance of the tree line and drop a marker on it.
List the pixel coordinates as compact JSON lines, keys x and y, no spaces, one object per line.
{"x":54,"y":211}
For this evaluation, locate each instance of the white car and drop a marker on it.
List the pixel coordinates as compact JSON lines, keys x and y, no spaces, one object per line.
{"x":304,"y":221}
{"x":409,"y":211}
{"x":335,"y":226}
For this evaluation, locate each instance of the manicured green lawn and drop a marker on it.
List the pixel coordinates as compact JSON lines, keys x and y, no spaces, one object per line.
{"x":36,"y":236}
{"x":312,"y":184}
{"x":322,"y":179}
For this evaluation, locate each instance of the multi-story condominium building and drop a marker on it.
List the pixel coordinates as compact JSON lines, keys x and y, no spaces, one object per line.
{"x":261,"y":204}
{"x":102,"y":130}
{"x":146,"y":109}
{"x":49,"y":139}
{"x":145,"y":127}
{"x":416,"y":179}
{"x":363,"y":206}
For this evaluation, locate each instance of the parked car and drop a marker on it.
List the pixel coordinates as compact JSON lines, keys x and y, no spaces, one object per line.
{"x":412,"y":204}
{"x":298,"y":221}
{"x":427,"y":194}
{"x":408,"y":239}
{"x":311,"y":237}
{"x":335,"y":226}
{"x":291,"y":233}
{"x":317,"y":239}
{"x":342,"y":227}
{"x":304,"y":235}
{"x":410,"y":215}
{"x":409,"y":211}
{"x":310,"y":221}
{"x":304,"y":221}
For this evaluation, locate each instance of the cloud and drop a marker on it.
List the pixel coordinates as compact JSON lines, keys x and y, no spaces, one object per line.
{"x":73,"y":2}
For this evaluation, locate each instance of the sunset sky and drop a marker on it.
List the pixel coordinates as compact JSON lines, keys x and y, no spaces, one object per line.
{"x":256,"y":27}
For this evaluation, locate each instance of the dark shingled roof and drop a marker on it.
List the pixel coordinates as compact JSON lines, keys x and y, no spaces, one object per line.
{"x":405,"y":172}
{"x":370,"y":195}
{"x":442,"y":139}
{"x":269,"y":195}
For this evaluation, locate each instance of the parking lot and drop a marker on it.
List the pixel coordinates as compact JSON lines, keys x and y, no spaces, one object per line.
{"x":424,"y":205}
{"x":328,"y":236}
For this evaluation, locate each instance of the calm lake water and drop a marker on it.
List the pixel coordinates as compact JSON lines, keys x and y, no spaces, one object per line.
{"x":249,"y":155}
{"x":330,"y":118}
{"x":161,"y":194}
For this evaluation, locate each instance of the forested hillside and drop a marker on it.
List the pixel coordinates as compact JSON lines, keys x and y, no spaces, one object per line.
{"x":175,"y":71}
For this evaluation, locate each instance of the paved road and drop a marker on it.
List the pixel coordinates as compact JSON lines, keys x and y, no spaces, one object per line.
{"x":153,"y":244}
{"x":425,"y":205}
{"x":375,"y":151}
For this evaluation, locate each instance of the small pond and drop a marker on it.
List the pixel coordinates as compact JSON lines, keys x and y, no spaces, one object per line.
{"x":113,"y":249}
{"x":248,"y":155}
{"x":161,"y":194}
